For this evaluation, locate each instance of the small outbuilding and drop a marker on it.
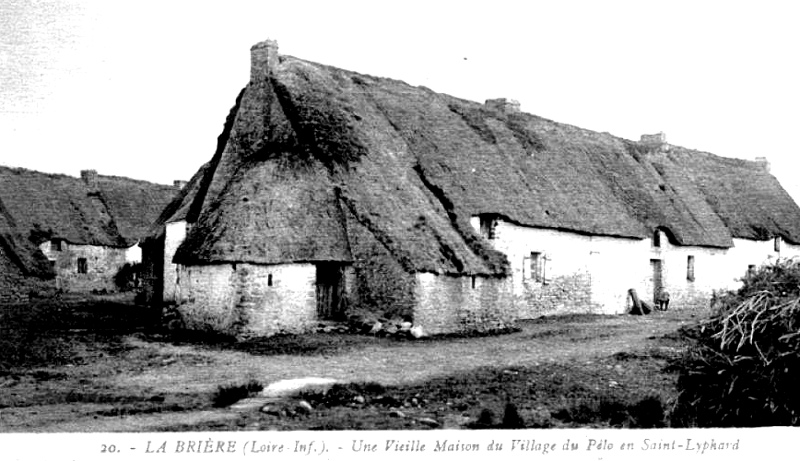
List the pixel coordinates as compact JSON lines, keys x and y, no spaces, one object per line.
{"x":73,"y":234}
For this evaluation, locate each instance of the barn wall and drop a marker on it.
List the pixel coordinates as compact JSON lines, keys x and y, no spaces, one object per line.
{"x":103,"y":263}
{"x":447,"y":304}
{"x":237,"y":299}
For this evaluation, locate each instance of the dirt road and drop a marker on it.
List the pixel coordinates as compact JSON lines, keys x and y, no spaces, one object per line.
{"x":146,"y":385}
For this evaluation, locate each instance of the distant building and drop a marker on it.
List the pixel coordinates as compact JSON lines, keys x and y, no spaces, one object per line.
{"x":71,"y":233}
{"x":333,"y":191}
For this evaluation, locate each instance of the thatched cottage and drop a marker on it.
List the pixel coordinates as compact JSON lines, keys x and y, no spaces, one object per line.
{"x":71,"y":233}
{"x":332,"y":190}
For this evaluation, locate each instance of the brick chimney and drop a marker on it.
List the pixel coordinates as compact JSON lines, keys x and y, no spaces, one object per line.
{"x":263,"y":59}
{"x":763,"y":163}
{"x":503,"y":105}
{"x":178,"y":183}
{"x":90,"y":179}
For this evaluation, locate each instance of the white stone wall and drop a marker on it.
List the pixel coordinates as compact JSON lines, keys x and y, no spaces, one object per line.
{"x":447,"y":304}
{"x":238,"y":299}
{"x":712,"y":271}
{"x":584,"y":273}
{"x":579,"y":273}
{"x":174,"y":235}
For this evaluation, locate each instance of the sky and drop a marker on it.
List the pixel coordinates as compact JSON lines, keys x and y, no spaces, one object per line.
{"x":141,"y":89}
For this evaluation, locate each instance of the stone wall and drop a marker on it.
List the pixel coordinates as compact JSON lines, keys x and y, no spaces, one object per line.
{"x":102,"y":264}
{"x":247,"y":300}
{"x":448,"y":304}
{"x":558,"y":295}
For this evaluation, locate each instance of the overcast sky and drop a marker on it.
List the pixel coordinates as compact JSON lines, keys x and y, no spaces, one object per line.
{"x":141,"y":89}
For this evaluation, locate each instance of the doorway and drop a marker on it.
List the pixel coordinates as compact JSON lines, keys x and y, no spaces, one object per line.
{"x":330,"y":291}
{"x":657,"y":277}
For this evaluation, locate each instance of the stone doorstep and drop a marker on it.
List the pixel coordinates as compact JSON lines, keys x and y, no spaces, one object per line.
{"x":275,"y":391}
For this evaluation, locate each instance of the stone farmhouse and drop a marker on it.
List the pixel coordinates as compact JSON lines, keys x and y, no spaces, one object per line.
{"x":332,"y":191}
{"x":68,"y":233}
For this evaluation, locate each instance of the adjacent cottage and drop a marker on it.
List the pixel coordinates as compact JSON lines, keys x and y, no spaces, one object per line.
{"x":332,"y":191}
{"x":72,"y":233}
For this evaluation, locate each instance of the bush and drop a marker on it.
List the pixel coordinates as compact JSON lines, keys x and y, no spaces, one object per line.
{"x":228,"y":395}
{"x":743,"y":367}
{"x":128,"y":276}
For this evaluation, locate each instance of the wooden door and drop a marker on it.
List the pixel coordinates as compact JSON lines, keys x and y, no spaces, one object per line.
{"x":330,"y":291}
{"x":657,"y":277}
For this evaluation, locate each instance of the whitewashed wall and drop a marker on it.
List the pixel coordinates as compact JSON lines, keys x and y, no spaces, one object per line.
{"x":585,"y":273}
{"x":175,"y":233}
{"x":133,"y":254}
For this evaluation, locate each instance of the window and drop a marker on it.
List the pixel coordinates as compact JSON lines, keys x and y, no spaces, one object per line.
{"x":269,"y":280}
{"x":535,"y":267}
{"x":657,"y":239}
{"x":473,"y":281}
{"x":488,"y":226}
{"x":777,"y":244}
{"x":55,"y":245}
{"x":690,"y":268}
{"x":83,"y":266}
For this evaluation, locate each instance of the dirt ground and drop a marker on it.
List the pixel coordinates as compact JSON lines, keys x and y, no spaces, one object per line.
{"x":132,"y":380}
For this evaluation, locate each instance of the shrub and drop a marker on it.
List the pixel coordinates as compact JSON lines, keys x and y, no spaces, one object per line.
{"x":744,"y":363}
{"x":128,"y":276}
{"x":230,"y":394}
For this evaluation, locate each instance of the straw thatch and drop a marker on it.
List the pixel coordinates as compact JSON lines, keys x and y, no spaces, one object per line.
{"x":36,"y":207}
{"x":411,"y":166}
{"x":19,"y":253}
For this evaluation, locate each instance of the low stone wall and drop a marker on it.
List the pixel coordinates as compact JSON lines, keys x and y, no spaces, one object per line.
{"x":447,"y":304}
{"x":247,"y":300}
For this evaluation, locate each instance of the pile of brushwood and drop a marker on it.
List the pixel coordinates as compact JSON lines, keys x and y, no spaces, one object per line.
{"x":743,"y":368}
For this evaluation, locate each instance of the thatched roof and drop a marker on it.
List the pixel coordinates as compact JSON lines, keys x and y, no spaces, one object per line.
{"x":412,"y":165}
{"x":113,"y":211}
{"x":20,"y":252}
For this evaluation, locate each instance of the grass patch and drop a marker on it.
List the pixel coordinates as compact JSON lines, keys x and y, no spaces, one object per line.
{"x":55,"y":331}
